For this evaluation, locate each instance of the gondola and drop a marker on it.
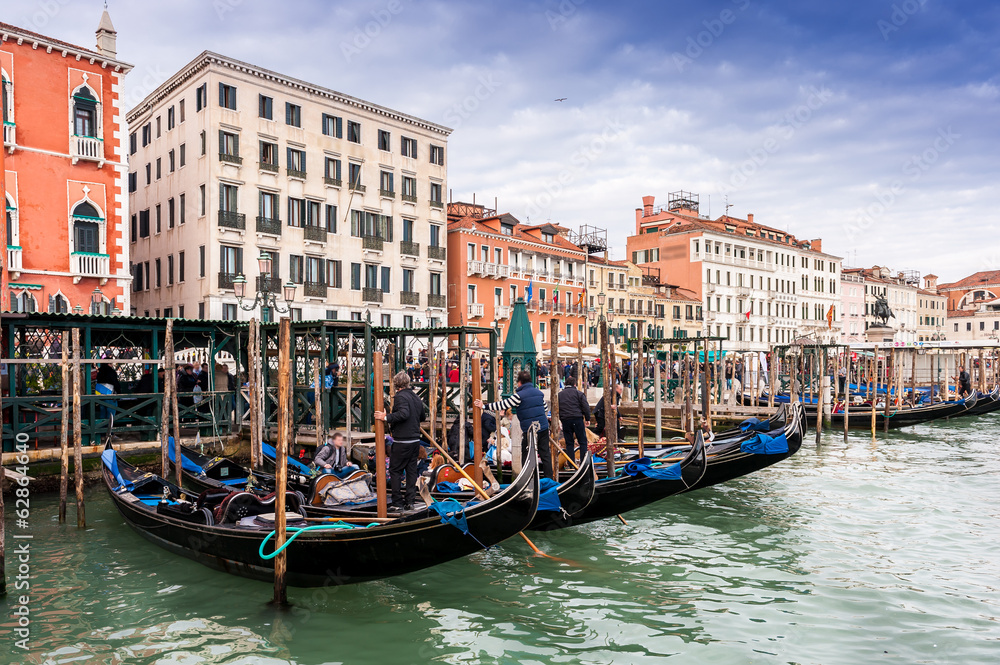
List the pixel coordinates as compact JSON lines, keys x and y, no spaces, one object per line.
{"x":899,"y":416}
{"x":574,"y":496}
{"x":985,"y":403}
{"x":206,"y":529}
{"x":624,"y":492}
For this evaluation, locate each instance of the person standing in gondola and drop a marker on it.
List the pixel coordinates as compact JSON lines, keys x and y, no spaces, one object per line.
{"x":404,"y":455}
{"x":530,"y":404}
{"x":964,"y":382}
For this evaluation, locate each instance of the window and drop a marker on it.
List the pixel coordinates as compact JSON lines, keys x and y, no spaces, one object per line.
{"x":159,"y":218}
{"x":180,"y":266}
{"x":201,"y":97}
{"x":133,"y":182}
{"x":472,"y":294}
{"x":357,"y":223}
{"x":408,"y":284}
{"x":435,"y":192}
{"x":157,"y":273}
{"x":86,"y":234}
{"x":183,"y":154}
{"x":408,"y":147}
{"x":435,"y":284}
{"x":230,"y":259}
{"x":331,"y":218}
{"x":312,"y":214}
{"x":84,"y":113}
{"x":170,"y":118}
{"x":228,"y":311}
{"x":265,"y":107}
{"x":229,"y":146}
{"x":353,"y":131}
{"x":355,"y":276}
{"x":227,"y":96}
{"x":202,"y":199}
{"x":228,"y":198}
{"x":268,"y":205}
{"x":296,"y":212}
{"x":408,"y":230}
{"x":408,"y":322}
{"x":159,"y":169}
{"x":371,"y":276}
{"x":437,"y":155}
{"x":149,"y":173}
{"x":333,"y":276}
{"x":293,"y":114}
{"x":296,"y":162}
{"x":171,"y":161}
{"x":384,"y":140}
{"x":385,"y":182}
{"x":331,"y":169}
{"x":144,"y":223}
{"x":315,"y":270}
{"x":170,"y":270}
{"x":180,"y":110}
{"x":170,"y":213}
{"x":269,"y":154}
{"x":386,"y":279}
{"x":204,"y":142}
{"x":435,"y":235}
{"x":332,"y":126}
{"x":132,"y":139}
{"x":409,"y":189}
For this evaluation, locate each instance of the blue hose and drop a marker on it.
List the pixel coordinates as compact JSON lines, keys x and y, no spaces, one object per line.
{"x":299,"y":529}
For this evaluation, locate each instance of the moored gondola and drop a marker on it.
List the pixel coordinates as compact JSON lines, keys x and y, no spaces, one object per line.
{"x":205,"y":529}
{"x":899,"y":416}
{"x":985,"y":403}
{"x":559,"y":506}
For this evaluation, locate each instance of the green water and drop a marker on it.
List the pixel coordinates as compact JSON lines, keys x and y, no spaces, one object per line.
{"x":846,"y":553}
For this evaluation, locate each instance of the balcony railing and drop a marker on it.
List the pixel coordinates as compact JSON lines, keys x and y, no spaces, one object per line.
{"x":475,"y":310}
{"x":314,"y":233}
{"x":268,"y":225}
{"x":502,"y":312}
{"x":409,"y":298}
{"x":373,"y":243}
{"x":89,"y":148}
{"x":388,"y":193}
{"x":89,"y":264}
{"x":436,"y":300}
{"x":295,"y":173}
{"x":544,"y":306}
{"x":13,"y":258}
{"x":314,"y":289}
{"x":267,"y":166}
{"x":226,"y":280}
{"x":437,"y":204}
{"x":409,"y":248}
{"x":9,"y":134}
{"x":410,"y":198}
{"x":232,"y":220}
{"x":231,"y":159}
{"x":357,"y":186}
{"x":475,"y":267}
{"x":335,"y":182}
{"x":371,"y":294}
{"x":266,"y":284}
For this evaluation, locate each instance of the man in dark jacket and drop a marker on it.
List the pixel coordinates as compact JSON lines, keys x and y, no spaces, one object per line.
{"x":530,"y":404}
{"x":404,"y":423}
{"x":574,"y":413}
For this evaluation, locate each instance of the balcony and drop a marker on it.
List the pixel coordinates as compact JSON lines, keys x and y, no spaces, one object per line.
{"x":436,"y":300}
{"x":226,"y":280}
{"x":268,"y":225}
{"x":475,"y":310}
{"x":267,"y":284}
{"x":371,"y":295}
{"x":357,"y":187}
{"x":314,"y":233}
{"x":475,"y":268}
{"x":232,"y":220}
{"x":87,"y":148}
{"x":295,"y":173}
{"x":333,"y":182}
{"x":13,"y":259}
{"x":387,"y":193}
{"x":411,"y":298}
{"x":88,"y":264}
{"x":373,"y":243}
{"x":9,"y":135}
{"x":437,"y":204}
{"x":545,"y":306}
{"x":502,"y":312}
{"x":436,"y":252}
{"x":409,"y":248}
{"x":409,"y":198}
{"x":230,"y":159}
{"x":270,"y":168}
{"x":314,"y":289}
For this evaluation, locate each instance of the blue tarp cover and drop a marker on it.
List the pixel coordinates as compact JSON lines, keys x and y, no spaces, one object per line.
{"x":111,"y":461}
{"x":269,"y":450}
{"x":548,"y":498}
{"x":451,"y":512}
{"x":755,"y":425}
{"x":762,"y":444}
{"x":644,"y":465}
{"x":445,"y":486}
{"x":186,"y":463}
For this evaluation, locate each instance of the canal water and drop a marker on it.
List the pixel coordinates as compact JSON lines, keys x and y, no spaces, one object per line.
{"x":854,"y":552}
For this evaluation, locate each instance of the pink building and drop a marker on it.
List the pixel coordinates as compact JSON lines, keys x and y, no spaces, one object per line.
{"x":852,"y":306}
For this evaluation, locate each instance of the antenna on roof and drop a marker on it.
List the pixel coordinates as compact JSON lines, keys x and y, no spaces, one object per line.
{"x":728,"y":205}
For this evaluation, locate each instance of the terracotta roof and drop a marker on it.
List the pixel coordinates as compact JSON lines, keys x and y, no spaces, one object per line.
{"x":973,"y":280}
{"x":682,"y":223}
{"x":521,"y":231}
{"x":954,"y":313}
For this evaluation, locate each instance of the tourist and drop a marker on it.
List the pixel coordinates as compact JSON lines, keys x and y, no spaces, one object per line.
{"x":574,"y":414}
{"x":530,"y":404}
{"x":404,"y":423}
{"x":186,"y":383}
{"x":453,"y":374}
{"x":964,"y":382}
{"x":332,"y":457}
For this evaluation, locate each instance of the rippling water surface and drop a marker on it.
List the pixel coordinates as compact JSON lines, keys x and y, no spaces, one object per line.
{"x":852,"y":552}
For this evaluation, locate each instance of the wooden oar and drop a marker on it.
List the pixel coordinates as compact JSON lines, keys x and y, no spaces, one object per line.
{"x":477,"y":488}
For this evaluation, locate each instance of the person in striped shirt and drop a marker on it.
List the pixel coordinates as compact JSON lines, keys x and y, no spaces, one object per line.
{"x":530,"y":404}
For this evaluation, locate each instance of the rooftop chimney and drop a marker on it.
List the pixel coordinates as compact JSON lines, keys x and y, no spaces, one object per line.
{"x":647,"y":206}
{"x":749,"y":218}
{"x":107,"y":37}
{"x":817,"y":244}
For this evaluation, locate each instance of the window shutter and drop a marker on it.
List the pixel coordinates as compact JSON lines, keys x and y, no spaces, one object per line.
{"x":303,"y":165}
{"x":236,"y":144}
{"x":222,"y":141}
{"x":222,"y":95}
{"x":288,"y":157}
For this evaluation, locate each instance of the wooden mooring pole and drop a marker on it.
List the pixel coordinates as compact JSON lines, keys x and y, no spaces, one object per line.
{"x":67,"y":391}
{"x":81,"y":516}
{"x":477,"y":422}
{"x":284,"y":413}
{"x":379,"y":405}
{"x":168,"y":355}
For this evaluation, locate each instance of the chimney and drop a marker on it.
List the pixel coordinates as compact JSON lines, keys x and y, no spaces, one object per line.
{"x":817,"y":245}
{"x":749,"y":218}
{"x":647,"y":206}
{"x":107,"y":37}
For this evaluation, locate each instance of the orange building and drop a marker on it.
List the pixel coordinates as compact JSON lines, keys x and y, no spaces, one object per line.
{"x":65,"y":173}
{"x":492,"y":258}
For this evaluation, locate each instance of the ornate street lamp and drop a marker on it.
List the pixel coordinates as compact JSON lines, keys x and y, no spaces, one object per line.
{"x":265,"y":297}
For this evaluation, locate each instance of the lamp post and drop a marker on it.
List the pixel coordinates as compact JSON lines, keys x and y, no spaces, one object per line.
{"x":96,"y":298}
{"x":265,"y":298}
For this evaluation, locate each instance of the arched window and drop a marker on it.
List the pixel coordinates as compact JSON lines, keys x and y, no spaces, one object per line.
{"x":86,"y":229}
{"x":24,"y":303}
{"x":84,"y":113}
{"x":58,"y":304}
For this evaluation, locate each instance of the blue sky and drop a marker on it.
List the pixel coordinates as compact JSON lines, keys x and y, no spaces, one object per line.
{"x":871,"y":125}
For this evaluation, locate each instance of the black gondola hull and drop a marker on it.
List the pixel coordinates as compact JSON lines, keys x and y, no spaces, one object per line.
{"x":575,"y":495}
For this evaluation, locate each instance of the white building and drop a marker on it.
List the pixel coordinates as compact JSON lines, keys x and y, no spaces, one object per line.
{"x":229,"y":161}
{"x":900,"y":290}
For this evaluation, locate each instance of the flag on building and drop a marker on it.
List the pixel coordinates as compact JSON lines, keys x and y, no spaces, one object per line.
{"x":555,"y":297}
{"x":528,"y":291}
{"x":829,"y":318}
{"x":749,"y":311}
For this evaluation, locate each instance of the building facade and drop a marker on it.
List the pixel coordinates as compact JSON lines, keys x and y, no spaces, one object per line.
{"x":231,"y":162}
{"x":973,"y":307}
{"x":900,"y":289}
{"x":932,"y":312}
{"x":852,"y":307}
{"x":758,"y":285}
{"x":64,"y":174}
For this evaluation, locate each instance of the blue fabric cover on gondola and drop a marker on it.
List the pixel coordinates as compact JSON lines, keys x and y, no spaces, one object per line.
{"x":445,"y":486}
{"x":292,"y":462}
{"x":755,"y":425}
{"x":451,"y":512}
{"x":111,"y":461}
{"x":186,"y":463}
{"x":548,"y":498}
{"x":644,"y":465}
{"x":762,"y":444}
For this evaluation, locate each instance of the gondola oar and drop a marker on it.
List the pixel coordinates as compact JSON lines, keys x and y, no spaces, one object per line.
{"x":479,"y":489}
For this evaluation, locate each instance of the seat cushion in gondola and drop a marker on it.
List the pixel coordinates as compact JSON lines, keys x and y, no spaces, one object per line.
{"x":187,"y":512}
{"x":238,"y":505}
{"x":267,"y":519}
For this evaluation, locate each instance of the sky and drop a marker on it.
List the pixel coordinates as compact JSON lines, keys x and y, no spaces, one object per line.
{"x":870,"y":124}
